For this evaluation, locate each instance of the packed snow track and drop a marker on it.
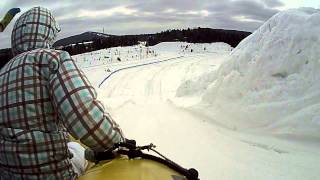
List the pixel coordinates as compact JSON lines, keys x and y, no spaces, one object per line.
{"x":146,"y":102}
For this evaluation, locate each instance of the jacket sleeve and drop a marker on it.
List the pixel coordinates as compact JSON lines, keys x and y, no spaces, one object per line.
{"x":75,"y":101}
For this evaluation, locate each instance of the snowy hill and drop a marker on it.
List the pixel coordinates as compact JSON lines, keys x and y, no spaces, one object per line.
{"x":107,"y":61}
{"x":271,"y":79}
{"x":250,"y":113}
{"x":189,"y":48}
{"x":141,"y":53}
{"x":80,"y":38}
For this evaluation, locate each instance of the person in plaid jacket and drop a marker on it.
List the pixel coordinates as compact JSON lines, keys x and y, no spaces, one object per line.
{"x":44,"y":96}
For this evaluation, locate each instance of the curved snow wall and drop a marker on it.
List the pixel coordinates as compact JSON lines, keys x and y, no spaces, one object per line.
{"x":271,"y":79}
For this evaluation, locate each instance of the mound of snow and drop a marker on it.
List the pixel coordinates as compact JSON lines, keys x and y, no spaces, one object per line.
{"x":271,"y":79}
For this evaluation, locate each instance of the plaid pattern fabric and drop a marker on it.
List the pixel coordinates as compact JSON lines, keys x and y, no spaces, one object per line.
{"x":43,"y":97}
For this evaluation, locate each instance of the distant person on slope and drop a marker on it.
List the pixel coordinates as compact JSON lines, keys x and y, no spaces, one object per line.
{"x":8,"y":17}
{"x":44,"y":97}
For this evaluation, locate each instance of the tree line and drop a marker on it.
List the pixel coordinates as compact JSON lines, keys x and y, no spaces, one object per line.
{"x":196,"y":35}
{"x":199,"y":35}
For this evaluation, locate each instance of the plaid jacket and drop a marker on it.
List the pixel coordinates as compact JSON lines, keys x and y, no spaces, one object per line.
{"x":43,"y":97}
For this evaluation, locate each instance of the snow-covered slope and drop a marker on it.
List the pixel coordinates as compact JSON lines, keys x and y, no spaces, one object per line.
{"x":107,"y":61}
{"x":223,"y":113}
{"x":271,"y":79}
{"x":141,"y":52}
{"x":189,"y":48}
{"x":143,"y":100}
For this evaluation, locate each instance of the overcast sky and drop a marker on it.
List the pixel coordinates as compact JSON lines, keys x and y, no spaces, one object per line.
{"x":149,"y":16}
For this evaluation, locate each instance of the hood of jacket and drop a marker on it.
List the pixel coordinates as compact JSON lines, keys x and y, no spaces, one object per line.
{"x":34,"y":29}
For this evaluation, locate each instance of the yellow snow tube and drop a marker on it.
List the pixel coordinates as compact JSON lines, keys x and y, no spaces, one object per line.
{"x":123,"y":168}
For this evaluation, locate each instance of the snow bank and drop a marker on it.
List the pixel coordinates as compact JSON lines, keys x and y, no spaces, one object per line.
{"x":271,"y":79}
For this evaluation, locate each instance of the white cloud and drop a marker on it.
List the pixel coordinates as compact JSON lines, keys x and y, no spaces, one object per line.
{"x":245,"y":19}
{"x":147,"y":13}
{"x":203,"y":13}
{"x":169,"y":10}
{"x":107,"y":12}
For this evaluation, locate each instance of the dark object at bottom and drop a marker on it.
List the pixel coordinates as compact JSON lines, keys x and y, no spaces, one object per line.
{"x":128,"y":161}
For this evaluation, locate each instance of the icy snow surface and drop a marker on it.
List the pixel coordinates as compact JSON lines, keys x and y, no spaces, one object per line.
{"x":249,"y":113}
